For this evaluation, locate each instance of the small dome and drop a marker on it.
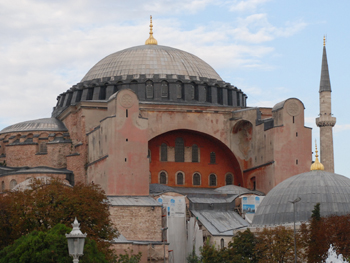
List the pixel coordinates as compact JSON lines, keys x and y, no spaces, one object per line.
{"x":151,"y":59}
{"x":331,"y":190}
{"x":47,"y":124}
{"x":235,"y":190}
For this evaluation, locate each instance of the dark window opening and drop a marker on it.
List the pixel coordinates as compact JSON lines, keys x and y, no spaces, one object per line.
{"x":78,"y":98}
{"x":102,"y":95}
{"x":90,"y":94}
{"x":229,"y":99}
{"x":196,"y":93}
{"x":162,"y":178}
{"x":220,"y":95}
{"x":229,"y":179}
{"x":222,"y":243}
{"x":43,"y":147}
{"x":253,"y":183}
{"x":238,"y":99}
{"x":126,"y":139}
{"x":296,"y":134}
{"x":180,"y":178}
{"x":196,"y":179}
{"x":125,"y":159}
{"x":165,"y":89}
{"x":164,"y":152}
{"x":149,"y":89}
{"x":208,"y":94}
{"x":212,"y":180}
{"x":293,"y":119}
{"x":179,"y":91}
{"x":296,"y":161}
{"x":212,"y":157}
{"x":126,"y":113}
{"x":179,"y":150}
{"x":195,"y":153}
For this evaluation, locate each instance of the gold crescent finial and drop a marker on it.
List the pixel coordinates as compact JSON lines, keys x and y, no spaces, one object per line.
{"x":324,"y":40}
{"x":316,"y":165}
{"x":151,"y":40}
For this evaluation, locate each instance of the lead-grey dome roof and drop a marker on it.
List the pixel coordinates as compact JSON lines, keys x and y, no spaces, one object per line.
{"x":331,"y":190}
{"x":46,"y":124}
{"x":151,"y":59}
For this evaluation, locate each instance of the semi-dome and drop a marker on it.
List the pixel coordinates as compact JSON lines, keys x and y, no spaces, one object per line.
{"x":151,"y":60}
{"x":331,"y":190}
{"x":46,"y":124}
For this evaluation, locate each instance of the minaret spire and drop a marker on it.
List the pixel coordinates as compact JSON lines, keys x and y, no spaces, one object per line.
{"x":151,"y":40}
{"x":326,"y":121}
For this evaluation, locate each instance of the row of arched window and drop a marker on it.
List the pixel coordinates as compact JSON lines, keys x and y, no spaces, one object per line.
{"x":196,"y":179}
{"x":180,"y":152}
{"x":13,"y":183}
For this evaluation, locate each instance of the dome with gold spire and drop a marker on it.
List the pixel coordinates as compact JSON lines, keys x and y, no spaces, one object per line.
{"x":331,"y":190}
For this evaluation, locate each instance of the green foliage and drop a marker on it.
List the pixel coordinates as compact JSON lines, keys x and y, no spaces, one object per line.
{"x":47,"y":205}
{"x":212,"y":255}
{"x":193,"y":258}
{"x":316,"y":213}
{"x":127,"y":257}
{"x":45,"y":247}
{"x":243,"y":247}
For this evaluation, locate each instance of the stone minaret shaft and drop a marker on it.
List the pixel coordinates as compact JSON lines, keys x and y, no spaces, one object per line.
{"x":326,"y":121}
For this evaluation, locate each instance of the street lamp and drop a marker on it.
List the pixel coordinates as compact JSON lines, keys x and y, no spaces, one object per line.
{"x":295,"y":241}
{"x":76,"y":240}
{"x":164,"y":229}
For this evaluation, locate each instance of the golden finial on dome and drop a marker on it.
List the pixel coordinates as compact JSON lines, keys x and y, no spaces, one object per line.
{"x":324,"y":40}
{"x":151,"y":40}
{"x":316,"y":165}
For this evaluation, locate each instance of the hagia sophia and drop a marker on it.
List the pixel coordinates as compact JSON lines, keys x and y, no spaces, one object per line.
{"x":151,"y":123}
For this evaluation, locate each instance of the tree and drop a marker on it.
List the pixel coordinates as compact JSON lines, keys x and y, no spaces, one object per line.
{"x":50,"y":246}
{"x":127,"y":257}
{"x":243,"y":247}
{"x":46,"y":205}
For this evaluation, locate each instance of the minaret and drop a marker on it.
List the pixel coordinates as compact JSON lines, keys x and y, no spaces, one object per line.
{"x":326,"y":121}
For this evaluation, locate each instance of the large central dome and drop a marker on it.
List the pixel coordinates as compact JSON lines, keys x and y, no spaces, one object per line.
{"x":151,"y":59}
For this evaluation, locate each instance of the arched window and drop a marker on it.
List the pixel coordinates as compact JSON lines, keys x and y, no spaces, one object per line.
{"x":192,"y":91}
{"x":179,"y":90}
{"x":196,"y":92}
{"x":229,"y":179}
{"x":195,"y":153}
{"x":179,"y":150}
{"x":212,"y":180}
{"x":164,"y":152}
{"x":212,"y":157}
{"x":196,"y":179}
{"x":149,"y":89}
{"x":229,"y":97}
{"x":253,"y":183}
{"x":222,"y":243}
{"x":180,"y":178}
{"x":208,"y":94}
{"x":162,"y":178}
{"x":220,"y":95}
{"x":165,"y":89}
{"x":13,"y":183}
{"x":2,"y":186}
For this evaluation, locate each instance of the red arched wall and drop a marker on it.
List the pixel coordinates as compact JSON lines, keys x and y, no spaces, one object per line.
{"x":226,"y":162}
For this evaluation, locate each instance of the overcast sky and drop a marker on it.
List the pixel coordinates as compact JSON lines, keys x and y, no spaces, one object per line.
{"x":271,"y":49}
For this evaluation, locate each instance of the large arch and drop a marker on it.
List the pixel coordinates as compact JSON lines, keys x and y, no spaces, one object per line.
{"x":225,"y":161}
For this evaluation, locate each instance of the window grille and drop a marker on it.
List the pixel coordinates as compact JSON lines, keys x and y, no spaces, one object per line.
{"x":179,"y":91}
{"x":212,"y":180}
{"x":149,"y":89}
{"x":229,"y":179}
{"x":195,"y":153}
{"x":212,"y":157}
{"x":163,"y":152}
{"x":162,"y":178}
{"x":179,"y":150}
{"x":196,"y":179}
{"x":165,"y":89}
{"x":180,"y":178}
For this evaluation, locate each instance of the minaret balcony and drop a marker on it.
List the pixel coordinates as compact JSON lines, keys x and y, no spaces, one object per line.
{"x":325,"y":120}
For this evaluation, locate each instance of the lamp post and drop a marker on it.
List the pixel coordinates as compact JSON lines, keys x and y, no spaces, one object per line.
{"x":164,"y":229}
{"x":76,"y":240}
{"x":295,"y":241}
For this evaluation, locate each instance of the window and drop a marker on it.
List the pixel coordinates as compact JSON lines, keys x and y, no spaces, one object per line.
{"x":212,"y":157}
{"x":212,"y":180}
{"x":220,"y":95}
{"x":164,"y":152}
{"x":179,"y":91}
{"x":2,"y":186}
{"x":222,"y":243}
{"x":196,"y":92}
{"x":208,"y":94}
{"x":180,"y":178}
{"x":195,"y":153}
{"x":162,"y":178}
{"x":192,"y":92}
{"x":238,"y":99}
{"x":179,"y":150}
{"x":196,"y":179}
{"x":229,"y":99}
{"x":43,"y":147}
{"x":253,"y":183}
{"x":229,"y":179}
{"x":165,"y":89}
{"x":13,"y":183}
{"x":149,"y":89}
